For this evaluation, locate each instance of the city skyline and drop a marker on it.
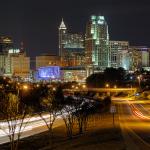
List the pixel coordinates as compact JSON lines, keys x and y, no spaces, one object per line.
{"x":36,"y":23}
{"x":75,"y":74}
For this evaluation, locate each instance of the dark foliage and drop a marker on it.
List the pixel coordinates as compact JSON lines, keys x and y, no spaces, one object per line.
{"x":112,"y":76}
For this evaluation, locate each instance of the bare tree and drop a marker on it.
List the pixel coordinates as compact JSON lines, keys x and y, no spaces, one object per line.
{"x":81,"y":113}
{"x":68,"y":118}
{"x":13,"y":114}
{"x":50,"y":108}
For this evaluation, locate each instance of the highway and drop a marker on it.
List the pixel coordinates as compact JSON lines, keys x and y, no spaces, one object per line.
{"x":34,"y":126}
{"x":134,"y":120}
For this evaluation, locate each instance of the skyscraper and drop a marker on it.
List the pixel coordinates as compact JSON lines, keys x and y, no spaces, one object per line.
{"x":97,"y":43}
{"x":71,"y":46}
{"x":62,"y":37}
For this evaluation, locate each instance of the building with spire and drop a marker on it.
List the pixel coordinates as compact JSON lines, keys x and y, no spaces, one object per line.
{"x":62,"y":37}
{"x":71,"y":47}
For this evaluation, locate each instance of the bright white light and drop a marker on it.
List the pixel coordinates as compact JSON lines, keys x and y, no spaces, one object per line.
{"x":100,"y":22}
{"x":101,"y":17}
{"x":13,"y":51}
{"x":4,"y":130}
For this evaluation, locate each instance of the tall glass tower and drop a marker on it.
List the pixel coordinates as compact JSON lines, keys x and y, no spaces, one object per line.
{"x":97,"y":42}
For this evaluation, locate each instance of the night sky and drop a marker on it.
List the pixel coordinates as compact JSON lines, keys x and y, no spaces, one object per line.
{"x":35,"y":22}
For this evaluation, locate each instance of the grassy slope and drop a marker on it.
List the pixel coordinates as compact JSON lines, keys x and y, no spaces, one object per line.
{"x":100,"y":134}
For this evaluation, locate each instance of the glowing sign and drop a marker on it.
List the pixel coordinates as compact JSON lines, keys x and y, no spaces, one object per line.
{"x":52,"y":72}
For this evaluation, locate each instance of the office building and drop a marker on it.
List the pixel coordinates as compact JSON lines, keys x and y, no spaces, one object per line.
{"x":20,"y":65}
{"x":97,"y":43}
{"x":71,"y":46}
{"x":62,"y":38}
{"x":118,"y":53}
{"x":6,"y":43}
{"x":47,"y":60}
{"x":139,"y":57}
{"x":2,"y":64}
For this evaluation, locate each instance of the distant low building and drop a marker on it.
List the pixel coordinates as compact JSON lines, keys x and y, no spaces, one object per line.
{"x":48,"y":73}
{"x":20,"y":65}
{"x":118,"y":54}
{"x":139,"y":57}
{"x":77,"y":74}
{"x":47,"y":60}
{"x":57,"y":73}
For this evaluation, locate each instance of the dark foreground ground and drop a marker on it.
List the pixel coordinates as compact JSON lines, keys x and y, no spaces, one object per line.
{"x":101,"y":134}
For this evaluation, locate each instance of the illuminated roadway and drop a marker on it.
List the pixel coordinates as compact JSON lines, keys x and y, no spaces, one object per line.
{"x":34,"y":126}
{"x":102,"y":90}
{"x":134,"y":120}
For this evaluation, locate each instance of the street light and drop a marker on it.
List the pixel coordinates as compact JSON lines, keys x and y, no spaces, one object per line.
{"x":115,"y":86}
{"x":25,"y":87}
{"x":107,"y":85}
{"x":77,"y":87}
{"x":37,"y":85}
{"x":54,"y":89}
{"x":139,"y":80}
{"x":84,"y":86}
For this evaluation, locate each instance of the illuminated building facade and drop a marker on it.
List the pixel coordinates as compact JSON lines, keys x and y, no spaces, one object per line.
{"x":48,"y":73}
{"x":139,"y":57}
{"x":14,"y":63}
{"x":66,"y":74}
{"x":74,"y":42}
{"x":20,"y":65}
{"x":97,"y":42}
{"x":6,"y":43}
{"x":70,"y":74}
{"x":47,"y":60}
{"x":62,"y":38}
{"x":124,"y":60}
{"x":74,"y":49}
{"x":71,"y":47}
{"x":119,"y":54}
{"x":2,"y":64}
{"x":5,"y":61}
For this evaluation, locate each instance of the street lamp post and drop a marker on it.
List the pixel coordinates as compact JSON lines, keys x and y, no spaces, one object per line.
{"x":139,"y":80}
{"x":107,"y":85}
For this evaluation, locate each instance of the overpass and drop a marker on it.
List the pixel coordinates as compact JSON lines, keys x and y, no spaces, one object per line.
{"x":107,"y":90}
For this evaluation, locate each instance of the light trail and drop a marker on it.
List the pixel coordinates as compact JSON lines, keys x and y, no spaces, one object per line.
{"x":34,"y":121}
{"x":138,"y":113}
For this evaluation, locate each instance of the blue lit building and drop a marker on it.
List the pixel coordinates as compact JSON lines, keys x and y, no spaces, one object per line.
{"x":56,"y":73}
{"x":48,"y":73}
